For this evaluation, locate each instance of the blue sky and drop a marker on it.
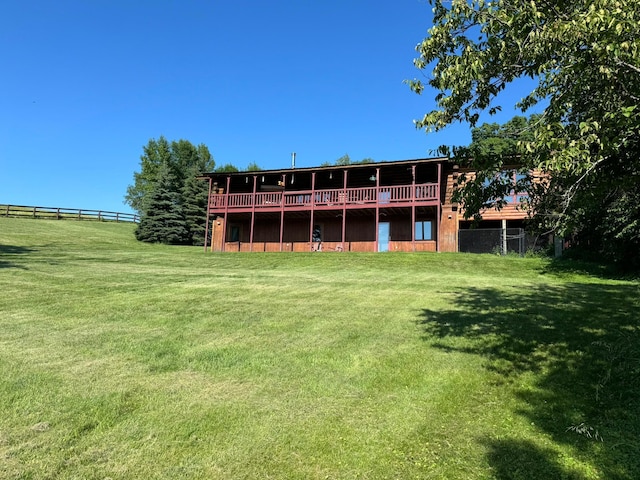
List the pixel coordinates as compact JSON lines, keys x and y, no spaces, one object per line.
{"x":85,"y":84}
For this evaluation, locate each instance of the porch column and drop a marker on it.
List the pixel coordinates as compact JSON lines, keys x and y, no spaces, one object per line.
{"x":413,"y":207}
{"x":282,"y":210}
{"x":377,"y":208}
{"x":344,"y":209}
{"x":226,"y":215}
{"x":313,"y":204}
{"x":439,"y":208}
{"x":253,"y":212}
{"x":206,"y":228}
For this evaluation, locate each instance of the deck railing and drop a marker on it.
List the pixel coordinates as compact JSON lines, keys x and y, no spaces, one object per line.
{"x":427,"y":192}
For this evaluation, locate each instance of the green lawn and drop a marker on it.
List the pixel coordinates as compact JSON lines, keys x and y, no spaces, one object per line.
{"x":123,"y":360}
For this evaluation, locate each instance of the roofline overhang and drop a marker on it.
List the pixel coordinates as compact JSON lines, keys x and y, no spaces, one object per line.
{"x":328,"y":168}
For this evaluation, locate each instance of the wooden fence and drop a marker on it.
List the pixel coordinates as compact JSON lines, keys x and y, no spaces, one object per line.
{"x":57,"y":213}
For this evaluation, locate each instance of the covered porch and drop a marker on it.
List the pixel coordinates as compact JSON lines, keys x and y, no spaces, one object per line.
{"x":393,"y":206}
{"x":363,"y":230}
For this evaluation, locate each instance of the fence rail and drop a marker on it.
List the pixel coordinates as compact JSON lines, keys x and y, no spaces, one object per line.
{"x":59,"y":213}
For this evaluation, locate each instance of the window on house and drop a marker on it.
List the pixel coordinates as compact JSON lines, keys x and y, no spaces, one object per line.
{"x":509,"y":177}
{"x":424,"y":230}
{"x":235,"y":233}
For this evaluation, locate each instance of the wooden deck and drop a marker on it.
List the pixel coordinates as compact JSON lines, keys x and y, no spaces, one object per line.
{"x":351,"y":198}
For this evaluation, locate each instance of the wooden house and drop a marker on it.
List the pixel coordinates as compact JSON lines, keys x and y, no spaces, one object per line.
{"x":376,"y":207}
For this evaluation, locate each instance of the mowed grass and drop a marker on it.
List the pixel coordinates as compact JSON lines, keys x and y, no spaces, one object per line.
{"x":123,"y":360}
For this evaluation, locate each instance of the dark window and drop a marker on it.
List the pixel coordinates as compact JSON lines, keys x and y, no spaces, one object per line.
{"x":235,"y":233}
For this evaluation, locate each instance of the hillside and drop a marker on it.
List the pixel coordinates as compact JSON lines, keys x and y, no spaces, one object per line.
{"x":125,"y":360}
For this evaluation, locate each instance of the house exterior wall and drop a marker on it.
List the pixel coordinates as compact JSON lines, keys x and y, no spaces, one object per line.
{"x":278,"y":210}
{"x":449,"y":221}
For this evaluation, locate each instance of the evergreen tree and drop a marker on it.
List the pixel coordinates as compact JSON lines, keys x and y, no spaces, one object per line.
{"x":227,"y":168}
{"x":163,"y":220}
{"x":194,"y":195}
{"x":182,"y":159}
{"x":155,"y":153}
{"x":183,"y":162}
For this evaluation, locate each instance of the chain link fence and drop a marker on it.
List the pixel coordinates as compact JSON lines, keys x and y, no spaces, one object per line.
{"x":495,"y":240}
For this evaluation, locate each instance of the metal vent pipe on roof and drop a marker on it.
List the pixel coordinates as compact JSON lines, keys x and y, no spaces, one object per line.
{"x":293,"y":160}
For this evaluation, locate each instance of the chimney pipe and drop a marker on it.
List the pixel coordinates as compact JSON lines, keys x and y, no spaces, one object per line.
{"x":293,"y":160}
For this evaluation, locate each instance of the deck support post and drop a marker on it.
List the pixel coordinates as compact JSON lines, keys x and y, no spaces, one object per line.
{"x":413,"y":208}
{"x":284,"y":178}
{"x":376,"y":248}
{"x":438,"y":207}
{"x":344,"y":209}
{"x":253,"y":212}
{"x":226,"y":216}
{"x":313,"y":203}
{"x":206,"y":228}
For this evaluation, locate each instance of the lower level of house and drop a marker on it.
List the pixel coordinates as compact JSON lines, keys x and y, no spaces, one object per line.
{"x":363,"y":230}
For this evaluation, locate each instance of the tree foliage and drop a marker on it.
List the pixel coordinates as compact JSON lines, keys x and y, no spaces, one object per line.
{"x":585,"y":58}
{"x":346,"y":160}
{"x":494,"y":153}
{"x":194,"y":207}
{"x":181,"y":157}
{"x":227,"y":168}
{"x":171,"y":167}
{"x":253,"y":167}
{"x":155,"y":153}
{"x":163,"y":220}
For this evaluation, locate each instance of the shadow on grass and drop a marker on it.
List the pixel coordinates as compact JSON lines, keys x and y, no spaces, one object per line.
{"x":582,"y":344}
{"x":571,"y":266}
{"x":513,"y":459}
{"x":9,"y":252}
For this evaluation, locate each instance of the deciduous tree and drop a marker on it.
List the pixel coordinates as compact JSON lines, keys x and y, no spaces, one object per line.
{"x":584,"y":56}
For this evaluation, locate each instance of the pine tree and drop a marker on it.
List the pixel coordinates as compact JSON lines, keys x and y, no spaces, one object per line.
{"x":182,"y":158}
{"x":194,"y":195}
{"x":163,"y":219}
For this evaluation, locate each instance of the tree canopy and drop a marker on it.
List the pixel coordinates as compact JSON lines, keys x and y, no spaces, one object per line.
{"x":584,"y":56}
{"x":163,"y":220}
{"x":166,"y":187}
{"x":346,"y":160}
{"x":182,"y":158}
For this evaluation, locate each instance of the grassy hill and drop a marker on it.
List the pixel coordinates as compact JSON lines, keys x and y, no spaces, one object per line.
{"x":125,"y":360}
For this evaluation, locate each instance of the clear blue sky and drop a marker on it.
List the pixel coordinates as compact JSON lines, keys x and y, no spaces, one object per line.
{"x":86,"y":83}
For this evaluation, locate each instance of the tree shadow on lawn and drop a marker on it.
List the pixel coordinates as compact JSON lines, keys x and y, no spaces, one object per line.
{"x":582,"y":344}
{"x":570,"y":266}
{"x":522,"y":460}
{"x":9,"y":253}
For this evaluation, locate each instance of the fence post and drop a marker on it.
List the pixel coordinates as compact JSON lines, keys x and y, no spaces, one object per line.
{"x":34,"y":211}
{"x":8,"y":210}
{"x":79,"y":214}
